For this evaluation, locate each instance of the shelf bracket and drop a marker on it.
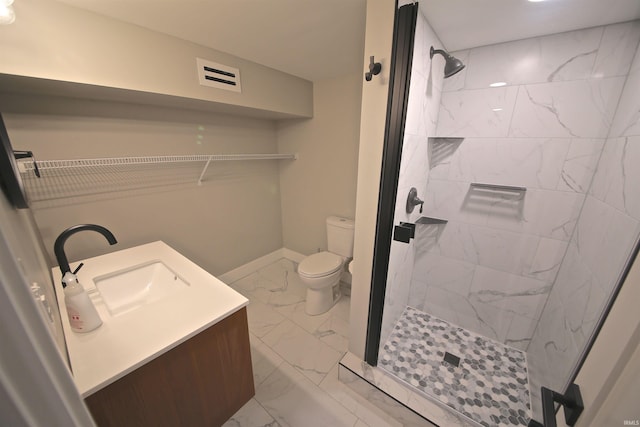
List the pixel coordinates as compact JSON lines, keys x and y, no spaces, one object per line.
{"x":204,"y":170}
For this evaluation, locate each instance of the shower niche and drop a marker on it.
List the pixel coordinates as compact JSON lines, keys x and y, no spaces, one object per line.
{"x":441,"y":149}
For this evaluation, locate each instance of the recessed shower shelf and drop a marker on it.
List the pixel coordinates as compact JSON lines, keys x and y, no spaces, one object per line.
{"x":441,"y":149}
{"x":451,"y":139}
{"x":431,"y":221}
{"x":496,"y":187}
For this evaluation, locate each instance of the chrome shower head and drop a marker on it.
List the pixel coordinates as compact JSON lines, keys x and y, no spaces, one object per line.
{"x":452,"y":64}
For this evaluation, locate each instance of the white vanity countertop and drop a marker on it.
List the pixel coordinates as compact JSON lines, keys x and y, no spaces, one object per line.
{"x":127,"y":341}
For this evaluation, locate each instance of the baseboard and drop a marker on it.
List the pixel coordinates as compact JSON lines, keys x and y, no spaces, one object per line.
{"x":248,"y":268}
{"x":263,"y":261}
{"x":293,"y":255}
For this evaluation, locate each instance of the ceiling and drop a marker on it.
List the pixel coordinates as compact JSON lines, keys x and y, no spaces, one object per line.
{"x":320,"y":39}
{"x":312,"y":39}
{"x":462,"y":24}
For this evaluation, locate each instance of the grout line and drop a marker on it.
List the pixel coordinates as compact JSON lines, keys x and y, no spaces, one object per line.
{"x":291,"y":318}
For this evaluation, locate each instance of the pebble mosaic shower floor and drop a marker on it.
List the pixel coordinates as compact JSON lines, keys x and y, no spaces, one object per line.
{"x":489,"y":385}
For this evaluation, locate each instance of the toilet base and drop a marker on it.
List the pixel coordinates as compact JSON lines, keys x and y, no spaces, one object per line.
{"x":321,"y":300}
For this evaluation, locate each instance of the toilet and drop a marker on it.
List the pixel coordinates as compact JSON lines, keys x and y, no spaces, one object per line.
{"x":321,"y":271}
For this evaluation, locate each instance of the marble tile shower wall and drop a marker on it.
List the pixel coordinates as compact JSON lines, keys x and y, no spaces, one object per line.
{"x":491,"y":268}
{"x":606,"y":232}
{"x":422,"y":117}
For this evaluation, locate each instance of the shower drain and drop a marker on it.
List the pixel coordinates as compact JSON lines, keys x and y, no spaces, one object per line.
{"x":451,"y":359}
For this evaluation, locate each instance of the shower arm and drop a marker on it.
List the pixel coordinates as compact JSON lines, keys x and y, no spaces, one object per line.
{"x":433,"y":51}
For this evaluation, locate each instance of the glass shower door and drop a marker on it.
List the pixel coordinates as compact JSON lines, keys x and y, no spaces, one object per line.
{"x":527,"y":226}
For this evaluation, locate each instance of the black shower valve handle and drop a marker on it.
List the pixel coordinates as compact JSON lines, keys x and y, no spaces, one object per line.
{"x":413,"y":200}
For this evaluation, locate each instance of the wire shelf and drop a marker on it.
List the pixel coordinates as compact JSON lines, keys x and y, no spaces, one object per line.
{"x":28,"y":165}
{"x":66,"y":179}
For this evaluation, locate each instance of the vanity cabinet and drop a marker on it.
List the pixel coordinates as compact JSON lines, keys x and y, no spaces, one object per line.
{"x":201,"y":382}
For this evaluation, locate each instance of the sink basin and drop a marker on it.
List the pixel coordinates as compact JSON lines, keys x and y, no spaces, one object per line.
{"x":133,"y":287}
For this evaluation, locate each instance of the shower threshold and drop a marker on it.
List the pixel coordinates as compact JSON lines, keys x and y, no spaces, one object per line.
{"x":484,"y":380}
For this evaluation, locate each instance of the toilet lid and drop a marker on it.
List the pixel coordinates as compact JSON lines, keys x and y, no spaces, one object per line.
{"x":320,"y":264}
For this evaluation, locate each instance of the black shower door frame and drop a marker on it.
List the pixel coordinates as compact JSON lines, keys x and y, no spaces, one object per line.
{"x":398,"y":100}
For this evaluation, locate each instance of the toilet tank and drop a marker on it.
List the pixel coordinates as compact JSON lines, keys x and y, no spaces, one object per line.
{"x":340,"y":236}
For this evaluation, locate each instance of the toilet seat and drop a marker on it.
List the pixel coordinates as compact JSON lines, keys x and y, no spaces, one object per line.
{"x":320,"y":264}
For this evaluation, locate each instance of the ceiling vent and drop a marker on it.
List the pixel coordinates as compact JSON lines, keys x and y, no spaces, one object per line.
{"x":218,"y":75}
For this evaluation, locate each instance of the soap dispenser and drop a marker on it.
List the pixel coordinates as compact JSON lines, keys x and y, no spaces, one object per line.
{"x":83,"y":316}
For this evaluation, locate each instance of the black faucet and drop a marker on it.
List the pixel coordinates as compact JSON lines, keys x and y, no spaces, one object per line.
{"x":58,"y":246}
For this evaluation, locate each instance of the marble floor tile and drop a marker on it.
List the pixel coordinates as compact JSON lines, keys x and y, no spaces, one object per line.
{"x":254,"y":281}
{"x":262,"y":318}
{"x":279,"y":270}
{"x":334,"y":332}
{"x":302,"y":350}
{"x":263,"y":360}
{"x":293,"y":400}
{"x":277,"y":297}
{"x":251,"y":415}
{"x":358,"y":404}
{"x":396,"y":413}
{"x":341,"y":309}
{"x":284,"y":273}
{"x":297,"y":315}
{"x":295,"y":361}
{"x":277,"y":285}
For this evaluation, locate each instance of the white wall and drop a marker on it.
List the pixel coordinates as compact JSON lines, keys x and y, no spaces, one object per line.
{"x":54,"y":41}
{"x":322,"y":181}
{"x":233,"y":218}
{"x":378,"y":40}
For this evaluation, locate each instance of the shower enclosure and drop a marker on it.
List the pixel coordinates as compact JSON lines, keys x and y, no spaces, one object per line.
{"x":525,"y":162}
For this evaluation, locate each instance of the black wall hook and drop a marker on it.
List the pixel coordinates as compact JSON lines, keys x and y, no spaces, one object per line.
{"x":374,"y":69}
